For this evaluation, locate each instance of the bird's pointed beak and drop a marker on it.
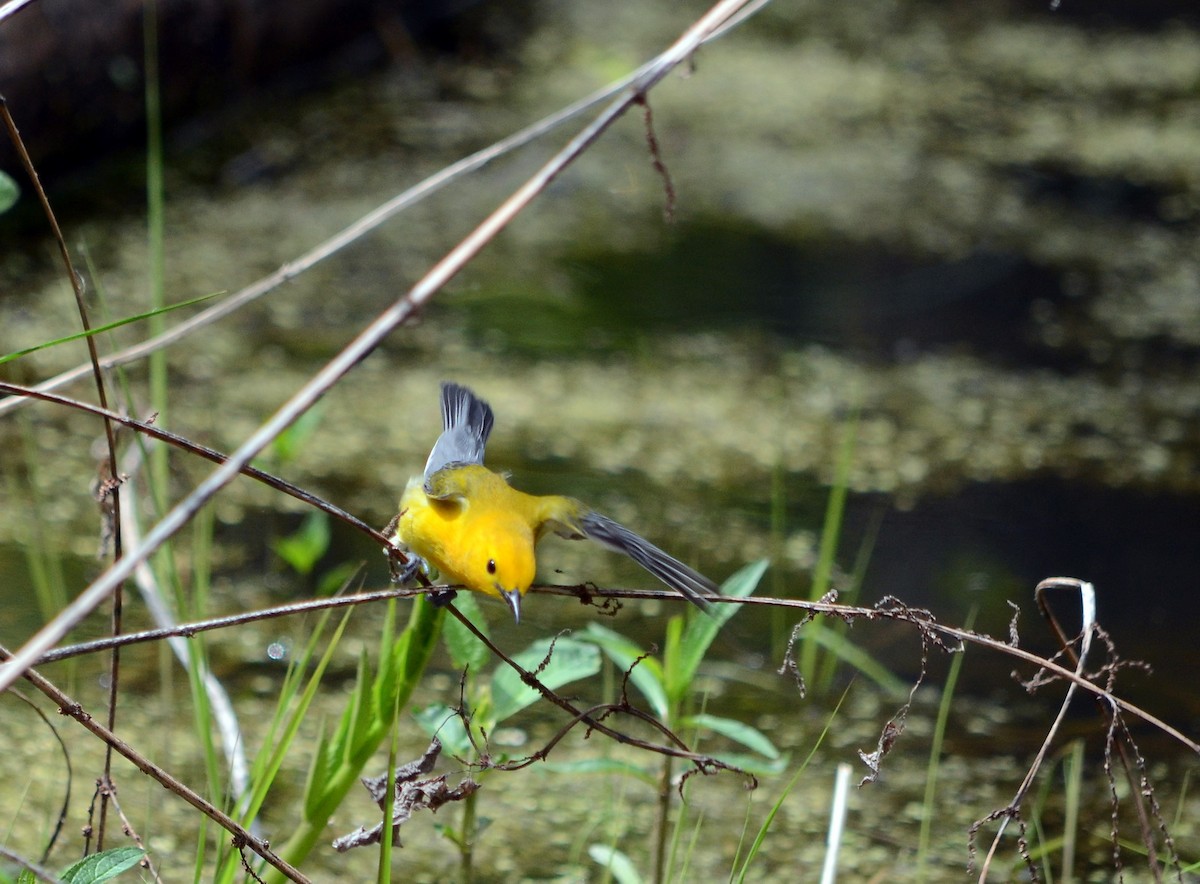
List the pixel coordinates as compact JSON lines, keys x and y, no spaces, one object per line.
{"x":512,"y":597}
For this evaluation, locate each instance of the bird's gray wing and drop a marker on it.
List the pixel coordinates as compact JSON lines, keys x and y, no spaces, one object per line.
{"x":466,"y":425}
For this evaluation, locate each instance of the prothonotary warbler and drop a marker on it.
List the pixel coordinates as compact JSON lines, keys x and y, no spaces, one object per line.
{"x":477,"y":530}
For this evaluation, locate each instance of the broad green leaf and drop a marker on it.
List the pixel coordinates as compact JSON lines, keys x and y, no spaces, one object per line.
{"x":439,"y":720}
{"x":465,"y":649}
{"x":9,"y":192}
{"x":701,"y":631}
{"x":647,"y":676}
{"x":103,"y":328}
{"x":750,"y":737}
{"x":620,"y":865}
{"x":571,"y":661}
{"x":103,"y":866}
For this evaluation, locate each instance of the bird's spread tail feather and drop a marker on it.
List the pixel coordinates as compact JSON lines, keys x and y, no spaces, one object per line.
{"x":695,"y":587}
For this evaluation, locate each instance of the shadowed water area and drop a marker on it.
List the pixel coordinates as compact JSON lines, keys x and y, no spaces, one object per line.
{"x":970,"y":238}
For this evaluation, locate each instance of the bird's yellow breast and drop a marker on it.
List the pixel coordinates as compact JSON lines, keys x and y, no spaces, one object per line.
{"x":477,"y":530}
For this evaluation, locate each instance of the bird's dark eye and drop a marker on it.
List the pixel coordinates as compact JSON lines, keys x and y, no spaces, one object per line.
{"x":491,"y":566}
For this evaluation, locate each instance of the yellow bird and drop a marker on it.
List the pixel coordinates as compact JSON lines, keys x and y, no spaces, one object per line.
{"x":477,"y":530}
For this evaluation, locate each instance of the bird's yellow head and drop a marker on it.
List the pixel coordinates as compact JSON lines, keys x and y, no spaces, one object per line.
{"x":502,"y":561}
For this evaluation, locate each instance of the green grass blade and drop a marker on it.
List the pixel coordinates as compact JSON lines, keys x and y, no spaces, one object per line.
{"x":680,"y":667}
{"x":367,"y":722}
{"x":100,"y":329}
{"x":739,"y":875}
{"x":831,"y":530}
{"x":1073,"y":801}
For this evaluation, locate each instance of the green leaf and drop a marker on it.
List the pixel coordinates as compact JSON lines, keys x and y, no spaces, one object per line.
{"x":318,"y":775}
{"x":337,"y":579}
{"x":465,"y":649}
{"x":750,"y":737}
{"x":103,"y":866}
{"x":701,"y":631}
{"x":9,"y":192}
{"x":439,"y":720}
{"x":602,"y":766}
{"x":303,"y":548}
{"x":620,"y":865}
{"x":571,"y":661}
{"x":287,"y":444}
{"x":647,"y":676}
{"x":103,"y":328}
{"x":845,"y":650}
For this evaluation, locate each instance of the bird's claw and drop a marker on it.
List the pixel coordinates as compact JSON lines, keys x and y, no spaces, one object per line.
{"x":405,"y":572}
{"x":439,"y":598}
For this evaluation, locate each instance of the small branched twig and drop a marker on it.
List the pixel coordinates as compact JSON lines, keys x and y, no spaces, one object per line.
{"x":531,"y":677}
{"x":239,"y":844}
{"x":789,"y":665}
{"x":624,"y":702}
{"x":107,"y":790}
{"x":1012,"y":810}
{"x":656,"y":159}
{"x":1146,"y":807}
{"x":1014,"y":638}
{"x":410,"y":793}
{"x":895,"y":725}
